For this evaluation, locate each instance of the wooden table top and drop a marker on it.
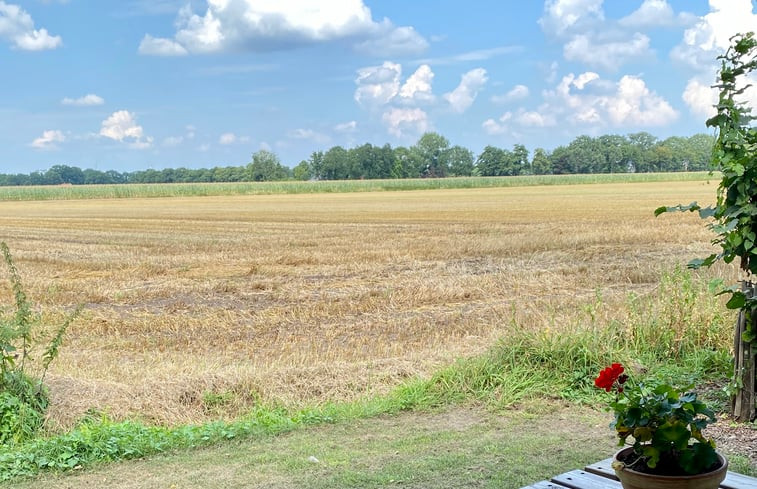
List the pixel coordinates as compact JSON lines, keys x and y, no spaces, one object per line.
{"x":600,"y":475}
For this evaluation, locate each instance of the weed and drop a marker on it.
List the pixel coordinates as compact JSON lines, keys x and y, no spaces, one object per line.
{"x":23,"y":399}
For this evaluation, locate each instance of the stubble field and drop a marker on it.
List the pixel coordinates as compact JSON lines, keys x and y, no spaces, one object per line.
{"x":197,"y":308}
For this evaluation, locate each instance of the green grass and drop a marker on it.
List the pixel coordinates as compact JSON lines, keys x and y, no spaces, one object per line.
{"x":464,"y":446}
{"x":292,"y":187}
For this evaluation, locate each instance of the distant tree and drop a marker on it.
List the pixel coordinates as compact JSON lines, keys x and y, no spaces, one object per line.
{"x":540,"y":164}
{"x":407,"y":163}
{"x":265,"y":166}
{"x":461,"y":161}
{"x":431,"y":148}
{"x":335,"y":164}
{"x":492,"y":162}
{"x":520,"y":163}
{"x":316,"y":165}
{"x":302,"y":171}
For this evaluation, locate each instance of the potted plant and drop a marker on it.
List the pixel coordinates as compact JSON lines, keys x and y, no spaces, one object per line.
{"x":663,"y":427}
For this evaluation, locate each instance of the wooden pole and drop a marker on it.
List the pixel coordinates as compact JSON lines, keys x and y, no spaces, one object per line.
{"x":745,"y":366}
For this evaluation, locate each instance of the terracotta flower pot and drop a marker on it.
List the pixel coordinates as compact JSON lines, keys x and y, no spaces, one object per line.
{"x":632,"y":479}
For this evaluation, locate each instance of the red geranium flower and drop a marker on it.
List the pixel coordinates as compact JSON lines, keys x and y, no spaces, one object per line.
{"x":608,"y":376}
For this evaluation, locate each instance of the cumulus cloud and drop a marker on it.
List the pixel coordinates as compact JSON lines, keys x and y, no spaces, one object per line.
{"x":634,"y":104}
{"x":17,"y":26}
{"x":462,"y":97}
{"x":400,"y":121}
{"x":590,"y":101}
{"x":86,"y":100}
{"x":651,"y":13}
{"x":263,"y":26}
{"x":605,"y":53}
{"x":564,"y":16}
{"x":590,"y":38}
{"x":417,"y":87}
{"x":700,"y":98}
{"x":377,"y":85}
{"x":48,"y":140}
{"x":709,"y":36}
{"x":122,"y":126}
{"x":518,"y":92}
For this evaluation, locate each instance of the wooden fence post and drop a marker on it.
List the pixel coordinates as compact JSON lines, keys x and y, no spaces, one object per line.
{"x":745,"y":367}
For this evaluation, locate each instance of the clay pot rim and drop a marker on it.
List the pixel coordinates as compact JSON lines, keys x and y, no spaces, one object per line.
{"x":723,"y":468}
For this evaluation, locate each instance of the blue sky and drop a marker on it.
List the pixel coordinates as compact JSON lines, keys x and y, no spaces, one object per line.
{"x":140,"y":84}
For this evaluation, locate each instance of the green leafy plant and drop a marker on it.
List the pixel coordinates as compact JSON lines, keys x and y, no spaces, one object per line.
{"x":734,"y":216}
{"x":664,"y":422}
{"x":23,"y":398}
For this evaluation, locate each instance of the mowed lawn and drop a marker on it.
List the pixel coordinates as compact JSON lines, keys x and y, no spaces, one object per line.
{"x":196,"y":308}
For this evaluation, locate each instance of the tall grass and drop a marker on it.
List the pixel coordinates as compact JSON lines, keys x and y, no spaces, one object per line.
{"x":291,"y":187}
{"x":677,"y":332}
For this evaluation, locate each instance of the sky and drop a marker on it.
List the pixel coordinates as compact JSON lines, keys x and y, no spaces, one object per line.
{"x":136,"y":84}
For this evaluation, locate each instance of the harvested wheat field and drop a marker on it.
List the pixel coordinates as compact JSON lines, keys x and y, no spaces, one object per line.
{"x":198,"y":307}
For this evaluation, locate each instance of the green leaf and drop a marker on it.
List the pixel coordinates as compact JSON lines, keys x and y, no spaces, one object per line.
{"x":737,"y":301}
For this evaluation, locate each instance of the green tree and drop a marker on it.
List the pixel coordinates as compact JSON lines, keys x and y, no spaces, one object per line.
{"x":335,"y":164}
{"x":265,"y":167}
{"x":432,"y":148}
{"x":540,"y":164}
{"x":461,"y":161}
{"x":492,"y":162}
{"x":302,"y":171}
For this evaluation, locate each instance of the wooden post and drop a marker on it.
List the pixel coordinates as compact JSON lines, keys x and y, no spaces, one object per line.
{"x":745,"y":367}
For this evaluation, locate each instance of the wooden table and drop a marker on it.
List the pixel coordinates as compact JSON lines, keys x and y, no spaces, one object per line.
{"x":601,"y":476}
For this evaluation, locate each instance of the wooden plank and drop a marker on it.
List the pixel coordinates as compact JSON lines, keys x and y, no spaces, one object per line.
{"x":581,"y":479}
{"x":734,"y":480}
{"x":545,"y":485}
{"x":603,"y":468}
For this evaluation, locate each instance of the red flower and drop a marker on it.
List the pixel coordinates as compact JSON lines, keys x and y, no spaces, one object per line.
{"x":608,"y":376}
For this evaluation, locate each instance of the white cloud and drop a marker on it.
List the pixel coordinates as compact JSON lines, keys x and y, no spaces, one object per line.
{"x":417,"y":87}
{"x":651,"y":13}
{"x":564,"y":16}
{"x":17,"y":26}
{"x":476,"y":55}
{"x":344,"y":127}
{"x":584,"y":79}
{"x":397,"y":41}
{"x":268,"y":25}
{"x":122,"y":126}
{"x":700,"y":98}
{"x":462,"y":97}
{"x":635,"y":104}
{"x":309,"y":134}
{"x":161,"y":47}
{"x":608,"y":54}
{"x":227,"y":138}
{"x":399,"y":121}
{"x":377,"y":85}
{"x":86,"y":100}
{"x":173,"y":141}
{"x":48,"y":139}
{"x":535,"y":119}
{"x":709,"y":37}
{"x":518,"y":92}
{"x":628,"y":102}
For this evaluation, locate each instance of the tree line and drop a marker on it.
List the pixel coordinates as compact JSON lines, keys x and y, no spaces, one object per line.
{"x":431,"y":156}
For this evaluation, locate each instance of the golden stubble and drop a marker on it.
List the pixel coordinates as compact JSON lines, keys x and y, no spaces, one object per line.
{"x":307,"y":298}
